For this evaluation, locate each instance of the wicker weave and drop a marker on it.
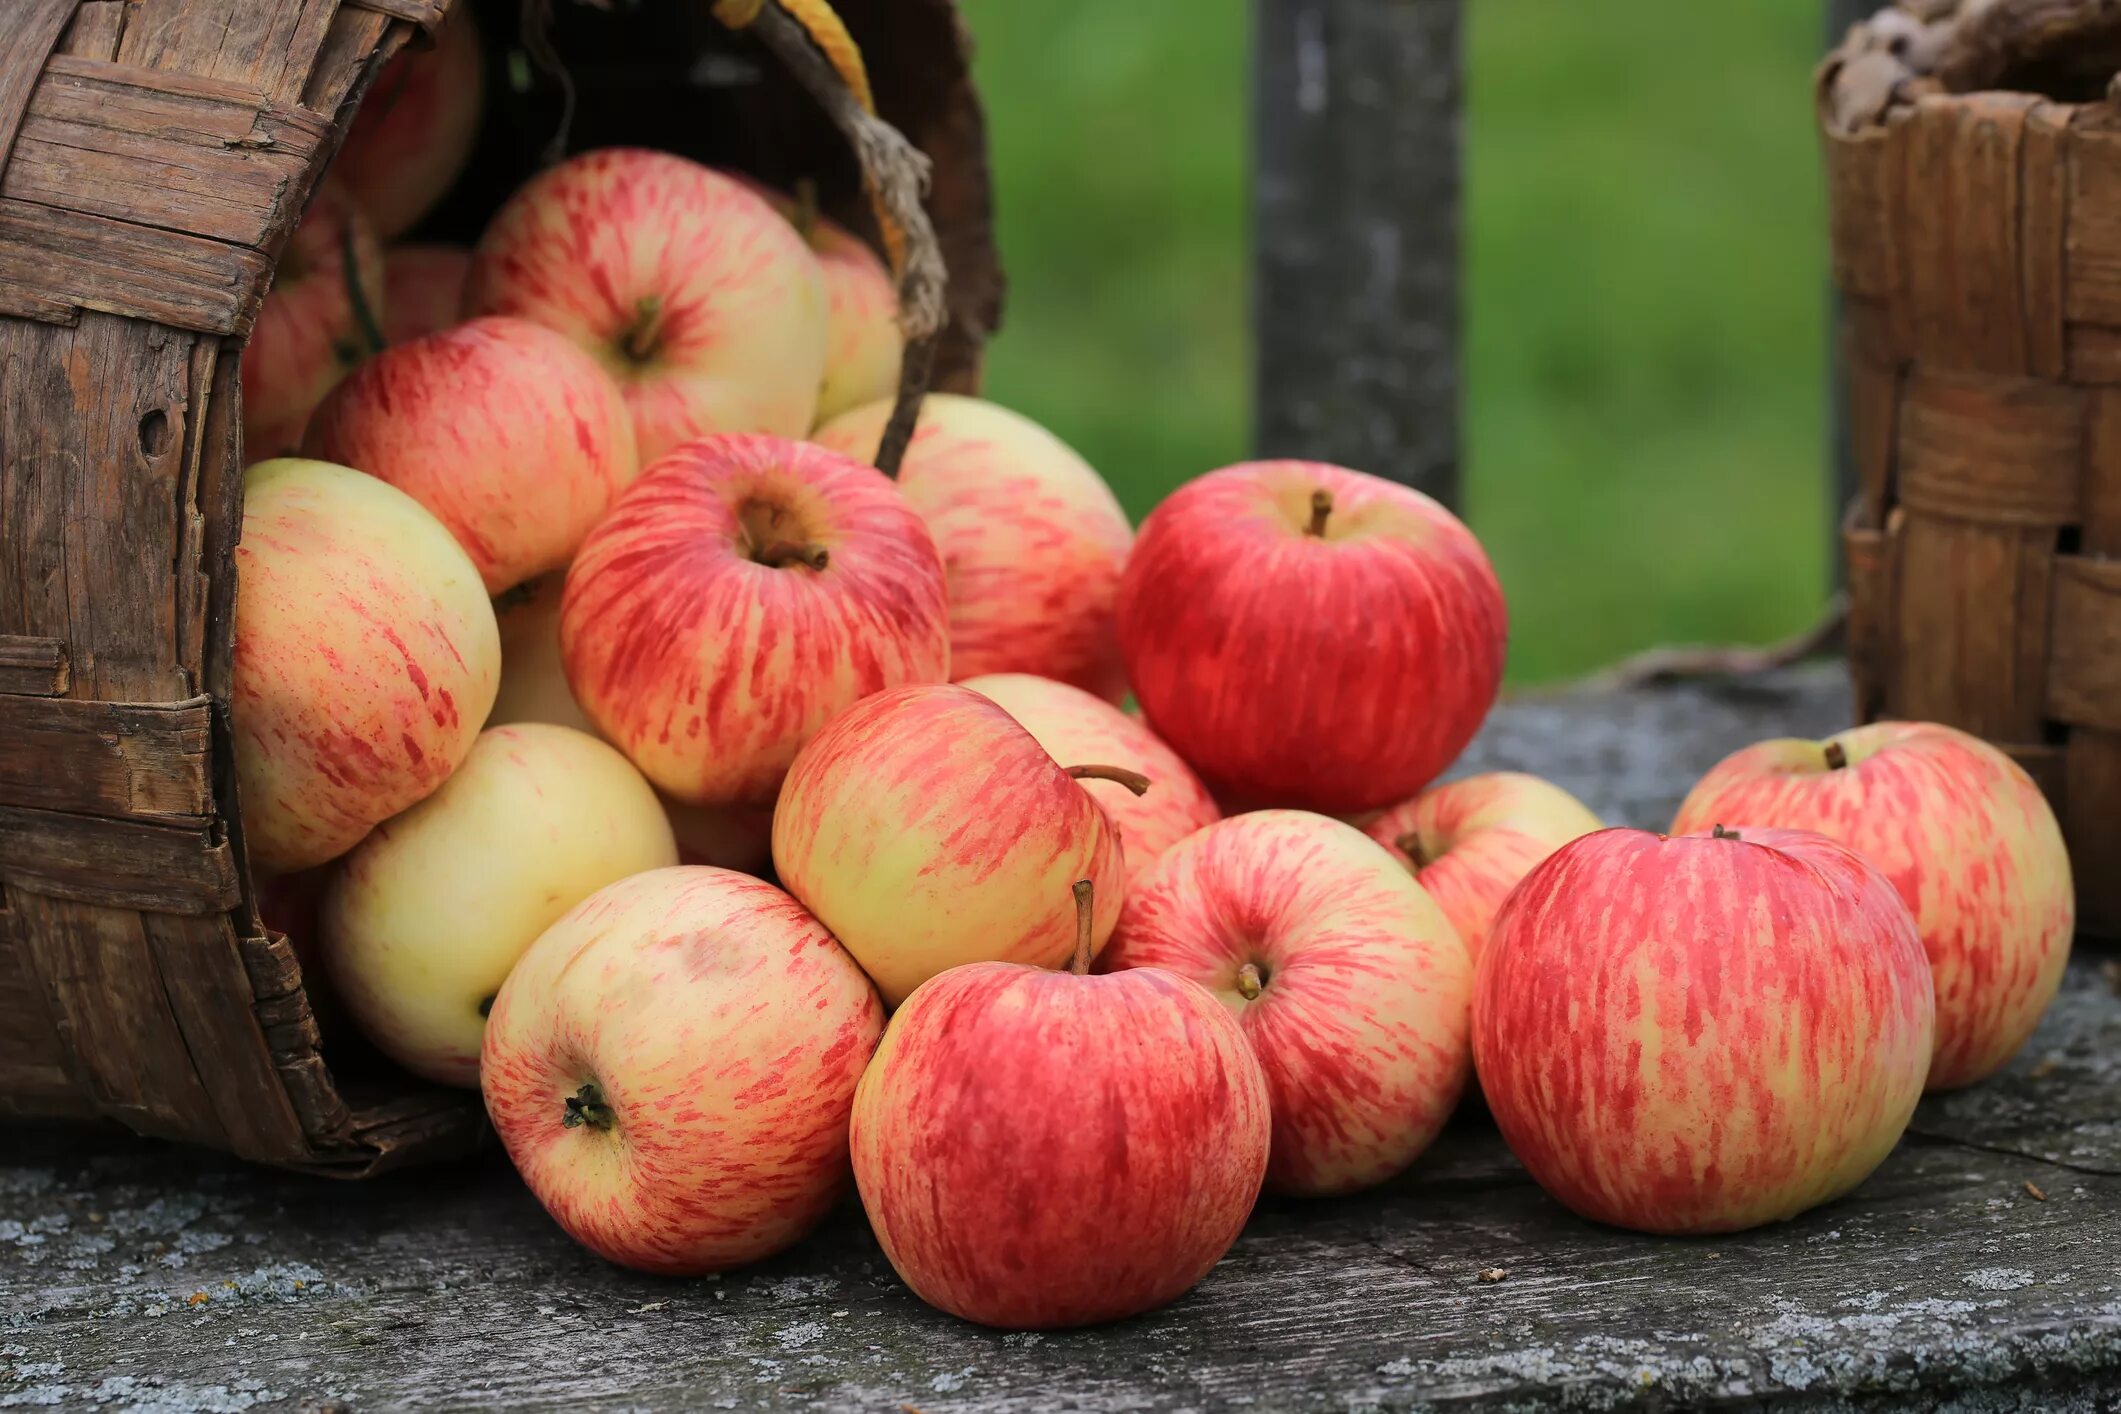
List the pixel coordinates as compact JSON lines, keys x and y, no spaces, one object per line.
{"x":154,"y":156}
{"x":1977,"y":248}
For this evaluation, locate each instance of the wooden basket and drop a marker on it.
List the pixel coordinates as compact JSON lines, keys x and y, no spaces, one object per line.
{"x":1976,"y":239}
{"x":154,"y":156}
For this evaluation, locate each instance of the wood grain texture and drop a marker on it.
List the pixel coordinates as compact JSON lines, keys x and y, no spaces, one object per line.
{"x":95,"y":31}
{"x":75,"y":259}
{"x":33,"y":667}
{"x":141,"y":761}
{"x":117,"y":863}
{"x":29,"y":32}
{"x":1355,"y":202}
{"x":1941,"y":1283}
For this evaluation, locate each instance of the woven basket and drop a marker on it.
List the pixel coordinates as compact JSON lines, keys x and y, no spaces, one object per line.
{"x":1974,"y":171}
{"x":154,"y":156}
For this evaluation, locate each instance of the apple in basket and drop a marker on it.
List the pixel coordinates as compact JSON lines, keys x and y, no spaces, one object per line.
{"x":427,"y":915}
{"x":1702,"y":1033}
{"x":1308,"y":635}
{"x":671,"y":1067}
{"x":1031,"y":537}
{"x":316,"y":323}
{"x":927,"y":829}
{"x":1967,"y":839}
{"x":1346,"y":978}
{"x":366,"y":658}
{"x":697,"y":297}
{"x":414,"y":130}
{"x":739,"y":593}
{"x":1039,"y":1149}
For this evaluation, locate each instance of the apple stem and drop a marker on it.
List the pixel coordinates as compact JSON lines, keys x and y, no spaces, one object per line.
{"x":638,"y":340}
{"x":586,"y":1106}
{"x":1721,"y":833}
{"x":804,"y":216}
{"x":1085,"y":909}
{"x":1132,"y":780}
{"x":371,"y":329}
{"x":1836,"y":756}
{"x":1321,"y":507}
{"x":782,"y":553}
{"x":1410,"y":845}
{"x":1249,"y":981}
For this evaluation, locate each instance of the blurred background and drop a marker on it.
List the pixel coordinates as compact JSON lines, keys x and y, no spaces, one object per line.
{"x":1645,"y":339}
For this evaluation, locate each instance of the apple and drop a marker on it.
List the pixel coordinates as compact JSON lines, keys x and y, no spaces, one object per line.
{"x":366,"y":658}
{"x":1967,"y":839}
{"x":1032,"y":539}
{"x":688,"y":287}
{"x":1308,"y":635}
{"x":737,"y":595}
{"x":863,"y":344}
{"x":1042,"y":1149}
{"x":927,"y":829}
{"x":510,"y":434}
{"x":533,"y":680}
{"x":423,"y":289}
{"x":1073,"y":725}
{"x":671,"y":1067}
{"x":1702,"y":1033}
{"x":318,"y":321}
{"x":1347,"y":979}
{"x":427,"y":915}
{"x":413,"y":132}
{"x":1470,"y":841}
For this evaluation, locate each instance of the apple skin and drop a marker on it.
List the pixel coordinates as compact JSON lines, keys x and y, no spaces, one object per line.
{"x":366,"y":658}
{"x":1361,"y":1009}
{"x":423,"y":290}
{"x":1697,"y":1035}
{"x":1338,"y":672}
{"x":721,"y":1030}
{"x":533,"y":679}
{"x":1080,"y":728}
{"x":1032,"y":538}
{"x":427,"y":915}
{"x":927,"y":829}
{"x":413,"y":133}
{"x":511,"y":435}
{"x":700,"y":301}
{"x":710,"y":668}
{"x":1038,"y":1150}
{"x":309,"y":332}
{"x":1477,"y":837}
{"x":1967,"y":839}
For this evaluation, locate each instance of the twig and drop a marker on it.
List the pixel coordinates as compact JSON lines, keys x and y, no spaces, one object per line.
{"x":1664,"y":665}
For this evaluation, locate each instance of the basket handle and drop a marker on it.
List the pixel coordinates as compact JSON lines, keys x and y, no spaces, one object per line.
{"x":809,"y":37}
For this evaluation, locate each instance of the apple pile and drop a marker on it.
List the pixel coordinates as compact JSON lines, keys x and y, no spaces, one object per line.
{"x":617,"y":740}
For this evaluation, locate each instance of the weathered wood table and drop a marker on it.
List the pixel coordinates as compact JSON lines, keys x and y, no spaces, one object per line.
{"x":1979,"y":1269}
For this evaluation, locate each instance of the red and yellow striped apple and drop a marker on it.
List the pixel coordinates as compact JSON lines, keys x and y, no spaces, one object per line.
{"x":1073,"y":725}
{"x":1347,"y":978}
{"x":671,"y":1067}
{"x":1032,"y":539}
{"x":863,"y":343}
{"x":1966,"y":837}
{"x":1308,"y":635}
{"x":1470,"y":841}
{"x":311,"y":329}
{"x":423,"y":289}
{"x":366,"y":658}
{"x":414,"y":130}
{"x":427,"y":915}
{"x":1042,"y":1149}
{"x":510,"y":434}
{"x":687,"y":286}
{"x":1702,"y":1033}
{"x":740,"y":593}
{"x":927,"y":829}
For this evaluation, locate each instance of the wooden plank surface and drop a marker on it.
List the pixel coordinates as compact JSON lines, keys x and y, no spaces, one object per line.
{"x":189,"y":1282}
{"x":135,"y":760}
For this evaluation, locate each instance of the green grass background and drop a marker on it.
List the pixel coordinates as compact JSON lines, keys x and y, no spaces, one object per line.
{"x":1644,"y":419}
